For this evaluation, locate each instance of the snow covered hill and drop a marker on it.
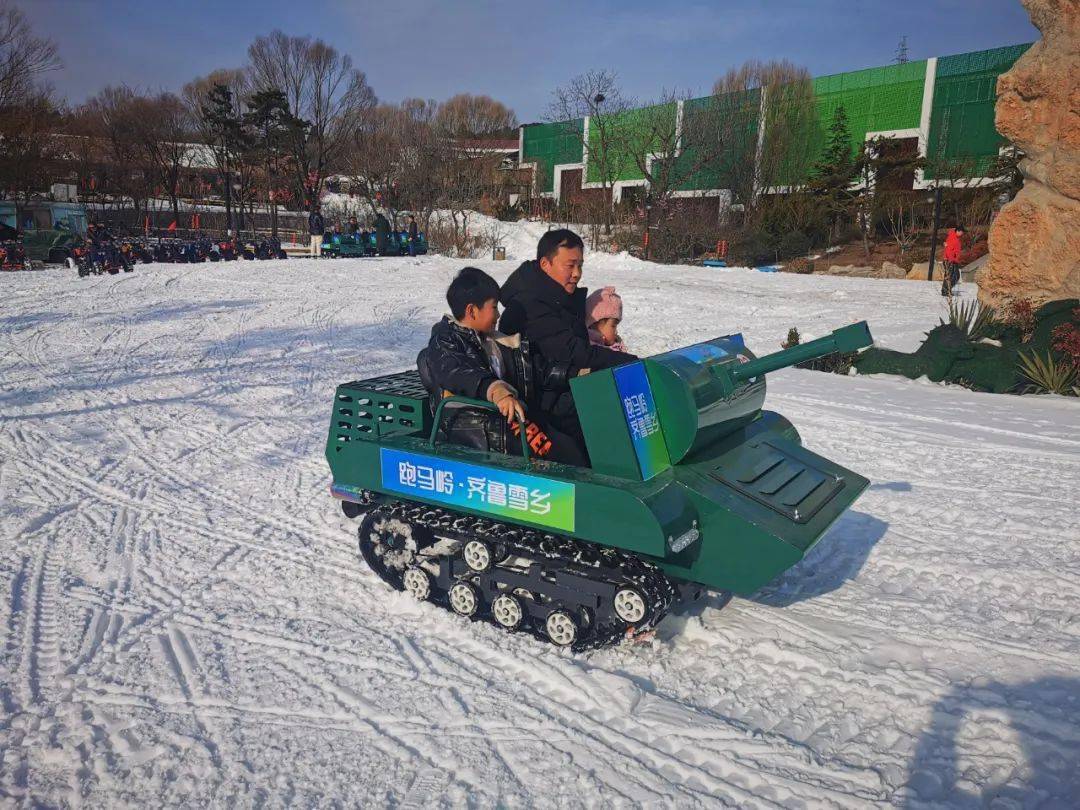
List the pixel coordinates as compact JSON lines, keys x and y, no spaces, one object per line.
{"x":185,"y":619}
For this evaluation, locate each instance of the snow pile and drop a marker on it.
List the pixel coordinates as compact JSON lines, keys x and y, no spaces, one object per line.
{"x":186,"y":620}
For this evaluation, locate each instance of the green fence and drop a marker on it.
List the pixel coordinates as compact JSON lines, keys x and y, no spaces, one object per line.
{"x":549,"y":145}
{"x":882,"y":99}
{"x":963,"y":141}
{"x":875,"y":100}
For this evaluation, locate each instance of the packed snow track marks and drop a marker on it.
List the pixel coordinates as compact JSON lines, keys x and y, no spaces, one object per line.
{"x":186,"y":621}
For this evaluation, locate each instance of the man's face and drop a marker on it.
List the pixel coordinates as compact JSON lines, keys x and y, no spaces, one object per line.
{"x":564,"y":267}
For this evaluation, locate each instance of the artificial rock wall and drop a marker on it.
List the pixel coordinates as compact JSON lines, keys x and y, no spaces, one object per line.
{"x":1035,"y":240}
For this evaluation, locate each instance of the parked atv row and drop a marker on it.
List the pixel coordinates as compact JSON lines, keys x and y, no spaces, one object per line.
{"x":103,"y":256}
{"x":205,"y":249}
{"x":106,"y":254}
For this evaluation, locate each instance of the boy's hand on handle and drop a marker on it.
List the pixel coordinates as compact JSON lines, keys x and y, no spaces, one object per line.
{"x":510,"y":407}
{"x":507,"y":403}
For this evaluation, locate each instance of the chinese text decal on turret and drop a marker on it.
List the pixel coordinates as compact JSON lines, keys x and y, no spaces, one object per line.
{"x":501,"y":493}
{"x":639,"y":408}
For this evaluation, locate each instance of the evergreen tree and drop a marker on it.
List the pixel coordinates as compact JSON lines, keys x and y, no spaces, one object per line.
{"x":1005,"y":169}
{"x":836,"y":164}
{"x":221,"y":118}
{"x":836,"y":169}
{"x":269,"y":128}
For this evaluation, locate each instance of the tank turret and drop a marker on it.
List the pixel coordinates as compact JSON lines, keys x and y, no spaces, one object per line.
{"x":681,"y":401}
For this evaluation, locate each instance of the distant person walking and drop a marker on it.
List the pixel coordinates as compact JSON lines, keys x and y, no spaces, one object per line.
{"x":316,"y":227}
{"x":954,"y":246}
{"x":414,"y":235}
{"x":382,"y":233}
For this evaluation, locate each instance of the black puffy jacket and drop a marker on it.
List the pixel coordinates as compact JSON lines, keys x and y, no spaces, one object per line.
{"x":315,"y":224}
{"x":454,"y":362}
{"x":553,"y":320}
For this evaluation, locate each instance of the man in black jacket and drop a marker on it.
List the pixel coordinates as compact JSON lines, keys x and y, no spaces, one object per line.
{"x":316,"y":228}
{"x":545,"y":304}
{"x":414,"y":235}
{"x":382,"y":233}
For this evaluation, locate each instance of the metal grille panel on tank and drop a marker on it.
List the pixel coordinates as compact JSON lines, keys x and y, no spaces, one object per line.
{"x":394,"y":403}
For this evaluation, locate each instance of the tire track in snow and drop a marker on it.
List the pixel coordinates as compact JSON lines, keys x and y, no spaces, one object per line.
{"x":184,"y":665}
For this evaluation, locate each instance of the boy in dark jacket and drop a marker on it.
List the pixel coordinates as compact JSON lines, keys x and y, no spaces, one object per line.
{"x":463,"y":355}
{"x":467,"y":357}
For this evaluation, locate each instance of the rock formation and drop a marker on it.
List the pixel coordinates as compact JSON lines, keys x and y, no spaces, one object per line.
{"x":1035,"y":240}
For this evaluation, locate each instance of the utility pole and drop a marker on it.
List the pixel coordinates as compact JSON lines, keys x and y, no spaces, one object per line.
{"x":648,"y":222}
{"x":933,"y":233}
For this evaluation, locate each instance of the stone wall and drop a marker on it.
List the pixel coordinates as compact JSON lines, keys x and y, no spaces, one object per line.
{"x":1035,"y":240}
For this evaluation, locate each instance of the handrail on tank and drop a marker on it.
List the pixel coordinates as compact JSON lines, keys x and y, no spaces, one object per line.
{"x":482,"y":404}
{"x":846,"y":339}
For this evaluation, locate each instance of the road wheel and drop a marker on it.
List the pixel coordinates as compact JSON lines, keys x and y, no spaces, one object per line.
{"x":508,"y":611}
{"x":561,"y":628}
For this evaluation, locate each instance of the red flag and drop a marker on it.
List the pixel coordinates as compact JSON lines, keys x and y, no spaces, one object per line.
{"x":172,"y":226}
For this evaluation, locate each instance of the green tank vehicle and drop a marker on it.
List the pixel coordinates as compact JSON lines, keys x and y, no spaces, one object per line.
{"x":50,"y":230}
{"x":344,"y":245}
{"x":692,"y":485}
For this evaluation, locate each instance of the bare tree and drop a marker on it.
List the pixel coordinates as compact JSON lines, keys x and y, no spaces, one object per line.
{"x":30,"y":148}
{"x":469,"y":116}
{"x":112,"y":118}
{"x":597,"y":97}
{"x":769,"y":128}
{"x":164,"y":129}
{"x":322,"y":88}
{"x":899,"y":218}
{"x":24,"y":58}
{"x":423,"y":151}
{"x":464,"y":181}
{"x":28,"y":115}
{"x":677,"y":143}
{"x":376,"y":157}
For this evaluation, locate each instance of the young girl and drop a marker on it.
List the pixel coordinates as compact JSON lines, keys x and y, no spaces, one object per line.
{"x":603,"y":312}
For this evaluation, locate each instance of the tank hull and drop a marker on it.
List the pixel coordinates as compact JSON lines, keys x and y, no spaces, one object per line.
{"x":730,"y":518}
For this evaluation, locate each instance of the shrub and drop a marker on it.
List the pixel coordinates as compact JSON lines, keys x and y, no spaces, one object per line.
{"x":835,"y":363}
{"x":1020,"y":313}
{"x":794,"y":243}
{"x":800,"y":265}
{"x":753,"y":248}
{"x":971,"y":318}
{"x":508,"y":212}
{"x":1066,"y":339}
{"x":1047,"y":374}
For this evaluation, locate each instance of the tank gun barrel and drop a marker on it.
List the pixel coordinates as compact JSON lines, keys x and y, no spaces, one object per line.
{"x":846,"y":339}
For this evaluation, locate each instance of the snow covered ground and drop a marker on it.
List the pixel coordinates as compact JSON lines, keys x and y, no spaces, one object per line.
{"x":185,"y":620}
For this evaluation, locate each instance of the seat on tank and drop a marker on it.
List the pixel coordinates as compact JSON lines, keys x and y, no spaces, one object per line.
{"x":463,"y":424}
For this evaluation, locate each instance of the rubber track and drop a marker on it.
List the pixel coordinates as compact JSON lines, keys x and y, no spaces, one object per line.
{"x":611,"y":565}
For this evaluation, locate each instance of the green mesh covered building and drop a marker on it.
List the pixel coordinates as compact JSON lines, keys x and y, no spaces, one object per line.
{"x":942,"y":106}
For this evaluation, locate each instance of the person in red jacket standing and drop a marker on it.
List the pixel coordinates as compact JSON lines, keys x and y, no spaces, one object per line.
{"x":954,"y":244}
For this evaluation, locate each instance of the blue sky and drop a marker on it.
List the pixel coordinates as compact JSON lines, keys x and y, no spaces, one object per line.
{"x":516,"y":52}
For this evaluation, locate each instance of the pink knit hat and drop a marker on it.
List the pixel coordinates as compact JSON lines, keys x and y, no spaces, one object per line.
{"x":603,"y":303}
